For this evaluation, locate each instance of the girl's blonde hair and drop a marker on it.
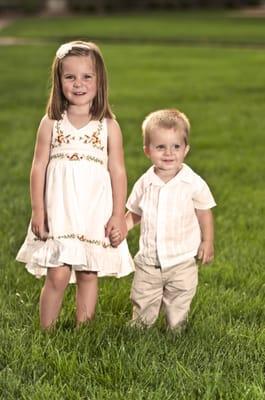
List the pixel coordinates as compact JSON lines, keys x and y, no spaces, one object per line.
{"x":168,"y":119}
{"x":57,"y":103}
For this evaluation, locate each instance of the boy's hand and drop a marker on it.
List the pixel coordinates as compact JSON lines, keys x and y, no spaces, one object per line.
{"x":117,"y":223}
{"x":115,"y":237}
{"x":206,"y":252}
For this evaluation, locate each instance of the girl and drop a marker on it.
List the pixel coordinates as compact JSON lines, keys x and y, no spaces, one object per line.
{"x":78,"y":186}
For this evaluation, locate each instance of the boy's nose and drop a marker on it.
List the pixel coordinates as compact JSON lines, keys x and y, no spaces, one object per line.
{"x":168,"y":150}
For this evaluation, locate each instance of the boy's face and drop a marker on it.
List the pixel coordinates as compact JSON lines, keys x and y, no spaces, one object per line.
{"x":167,"y":150}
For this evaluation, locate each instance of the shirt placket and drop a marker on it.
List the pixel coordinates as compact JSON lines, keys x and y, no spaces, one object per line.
{"x":160,"y":230}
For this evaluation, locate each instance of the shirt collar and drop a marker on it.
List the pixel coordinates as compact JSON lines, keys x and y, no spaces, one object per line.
{"x":184,"y":175}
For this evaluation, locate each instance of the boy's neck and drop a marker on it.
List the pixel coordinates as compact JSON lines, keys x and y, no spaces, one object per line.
{"x":165,"y":175}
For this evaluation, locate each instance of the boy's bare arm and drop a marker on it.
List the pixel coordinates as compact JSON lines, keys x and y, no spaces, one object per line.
{"x":132,"y":219}
{"x":206,"y":248}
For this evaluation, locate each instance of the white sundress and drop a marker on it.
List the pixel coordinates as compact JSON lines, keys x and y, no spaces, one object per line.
{"x":78,"y":200}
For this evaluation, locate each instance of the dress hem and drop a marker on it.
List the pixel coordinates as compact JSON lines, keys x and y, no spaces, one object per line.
{"x":39,"y":256}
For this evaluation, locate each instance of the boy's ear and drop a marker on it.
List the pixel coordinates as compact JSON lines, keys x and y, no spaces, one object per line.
{"x":146,"y":151}
{"x":187,"y":149}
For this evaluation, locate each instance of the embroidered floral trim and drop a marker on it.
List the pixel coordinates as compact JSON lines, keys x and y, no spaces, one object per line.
{"x":76,"y":157}
{"x":82,"y":238}
{"x":94,"y":139}
{"x":61,"y":138}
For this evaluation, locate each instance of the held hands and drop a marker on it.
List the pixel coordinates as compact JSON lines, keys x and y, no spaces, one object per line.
{"x":115,"y":237}
{"x":116,"y":230}
{"x":38,"y":225}
{"x":206,"y":252}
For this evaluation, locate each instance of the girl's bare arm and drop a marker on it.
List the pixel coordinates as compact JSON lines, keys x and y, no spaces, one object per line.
{"x":37,"y":177}
{"x":118,"y":178}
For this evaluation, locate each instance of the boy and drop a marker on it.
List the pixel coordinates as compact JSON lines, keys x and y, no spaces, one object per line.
{"x":173,"y":205}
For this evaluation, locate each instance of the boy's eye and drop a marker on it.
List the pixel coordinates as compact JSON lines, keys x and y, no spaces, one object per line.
{"x":160,"y":147}
{"x":176,"y":146}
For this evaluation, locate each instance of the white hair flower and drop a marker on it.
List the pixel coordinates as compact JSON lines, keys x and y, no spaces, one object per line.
{"x":65,"y":48}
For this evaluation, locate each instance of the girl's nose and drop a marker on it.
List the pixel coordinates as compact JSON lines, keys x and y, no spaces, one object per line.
{"x":77,"y":83}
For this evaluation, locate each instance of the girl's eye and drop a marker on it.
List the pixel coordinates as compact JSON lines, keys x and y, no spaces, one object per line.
{"x":69,"y":77}
{"x":88,"y":76}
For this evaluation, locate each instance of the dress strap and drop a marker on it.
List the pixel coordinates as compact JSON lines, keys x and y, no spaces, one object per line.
{"x":53,"y":135}
{"x":104,"y":133}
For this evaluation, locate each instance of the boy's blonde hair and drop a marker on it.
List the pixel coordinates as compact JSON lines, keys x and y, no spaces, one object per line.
{"x":57,"y":103}
{"x":167,"y":119}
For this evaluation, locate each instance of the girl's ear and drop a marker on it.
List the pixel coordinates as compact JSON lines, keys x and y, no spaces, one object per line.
{"x":187,"y":149}
{"x":146,"y":151}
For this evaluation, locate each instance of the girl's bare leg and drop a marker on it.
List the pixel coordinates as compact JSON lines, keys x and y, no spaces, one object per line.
{"x":86,"y":295}
{"x":52,"y":293}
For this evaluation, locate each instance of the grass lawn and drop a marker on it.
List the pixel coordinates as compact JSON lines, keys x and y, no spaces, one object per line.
{"x":218,"y":27}
{"x":221,"y":356}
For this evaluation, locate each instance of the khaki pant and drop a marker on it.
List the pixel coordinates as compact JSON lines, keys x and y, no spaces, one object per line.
{"x":173,"y":288}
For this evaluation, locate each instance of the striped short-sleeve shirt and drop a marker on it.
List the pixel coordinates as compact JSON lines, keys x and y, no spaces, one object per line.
{"x":170,"y":231}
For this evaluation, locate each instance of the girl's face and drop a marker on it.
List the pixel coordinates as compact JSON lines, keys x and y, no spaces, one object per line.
{"x":79,"y":80}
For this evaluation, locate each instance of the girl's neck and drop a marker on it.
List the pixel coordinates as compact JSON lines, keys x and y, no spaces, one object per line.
{"x":78,"y":110}
{"x":78,"y":116}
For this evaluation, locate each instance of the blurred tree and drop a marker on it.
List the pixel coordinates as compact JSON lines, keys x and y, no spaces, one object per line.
{"x":101,"y":6}
{"x":56,"y":6}
{"x":98,"y":6}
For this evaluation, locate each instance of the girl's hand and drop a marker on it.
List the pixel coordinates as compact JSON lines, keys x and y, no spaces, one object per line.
{"x":38,"y":225}
{"x":115,"y":237}
{"x":206,"y":252}
{"x":117,"y":223}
